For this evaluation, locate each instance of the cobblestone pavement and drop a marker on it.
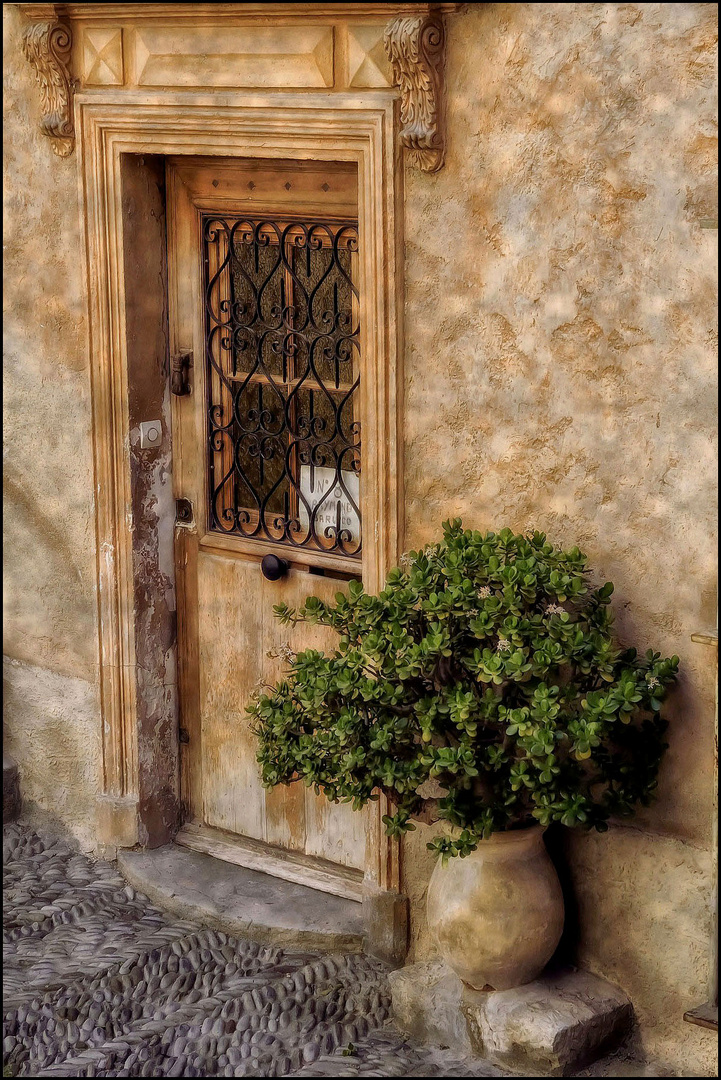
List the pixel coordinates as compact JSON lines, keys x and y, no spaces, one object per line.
{"x":98,"y":982}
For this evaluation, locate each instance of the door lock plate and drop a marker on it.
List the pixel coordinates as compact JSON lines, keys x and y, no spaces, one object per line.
{"x":183,"y":512}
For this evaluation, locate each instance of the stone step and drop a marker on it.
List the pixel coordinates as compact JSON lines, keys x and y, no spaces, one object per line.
{"x":243,"y":902}
{"x":559,"y":1023}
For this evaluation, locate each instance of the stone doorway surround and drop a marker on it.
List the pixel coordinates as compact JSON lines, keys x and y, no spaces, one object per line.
{"x":129,"y":83}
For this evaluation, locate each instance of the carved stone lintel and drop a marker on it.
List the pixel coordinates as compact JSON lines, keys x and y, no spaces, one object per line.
{"x":415,"y":48}
{"x":46,"y":45}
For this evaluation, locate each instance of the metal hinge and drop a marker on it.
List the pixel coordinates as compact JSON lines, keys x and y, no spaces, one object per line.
{"x":180,"y":373}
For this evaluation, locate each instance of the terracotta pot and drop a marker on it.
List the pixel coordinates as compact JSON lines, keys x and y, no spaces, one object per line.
{"x":497,"y":915}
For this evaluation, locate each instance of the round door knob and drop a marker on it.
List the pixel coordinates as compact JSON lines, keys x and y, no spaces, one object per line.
{"x":273,"y":568}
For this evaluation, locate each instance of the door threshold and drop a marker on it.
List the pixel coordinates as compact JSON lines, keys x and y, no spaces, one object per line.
{"x":210,"y":893}
{"x":308,"y":870}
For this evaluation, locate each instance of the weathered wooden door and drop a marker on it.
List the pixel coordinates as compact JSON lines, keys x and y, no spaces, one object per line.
{"x":263,"y":318}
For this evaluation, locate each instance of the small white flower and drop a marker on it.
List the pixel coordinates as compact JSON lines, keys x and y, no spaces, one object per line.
{"x":484,"y":592}
{"x":405,"y":559}
{"x":503,"y":645}
{"x":282,"y":652}
{"x":652,"y":681}
{"x":555,"y":609}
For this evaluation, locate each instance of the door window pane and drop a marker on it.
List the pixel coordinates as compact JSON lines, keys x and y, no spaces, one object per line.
{"x":282,"y":341}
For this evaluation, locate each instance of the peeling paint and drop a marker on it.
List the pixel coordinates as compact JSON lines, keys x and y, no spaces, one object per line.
{"x":153,"y":509}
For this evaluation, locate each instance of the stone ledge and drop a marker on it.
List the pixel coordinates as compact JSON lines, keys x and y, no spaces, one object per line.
{"x":559,"y":1023}
{"x":427,"y":1000}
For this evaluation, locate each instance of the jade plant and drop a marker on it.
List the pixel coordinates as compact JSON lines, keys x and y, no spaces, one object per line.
{"x":481,"y":686}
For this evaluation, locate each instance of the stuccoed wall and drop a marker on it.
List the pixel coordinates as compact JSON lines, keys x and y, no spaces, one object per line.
{"x":50,"y":671}
{"x":560,"y":374}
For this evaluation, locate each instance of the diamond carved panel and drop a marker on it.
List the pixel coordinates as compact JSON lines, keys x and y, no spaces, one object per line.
{"x":368,"y":64}
{"x":102,"y":57}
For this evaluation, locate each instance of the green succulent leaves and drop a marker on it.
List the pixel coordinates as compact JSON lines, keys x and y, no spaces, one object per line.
{"x":485,"y":664}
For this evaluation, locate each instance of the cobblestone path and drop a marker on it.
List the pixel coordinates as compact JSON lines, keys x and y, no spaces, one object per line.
{"x":98,"y":982}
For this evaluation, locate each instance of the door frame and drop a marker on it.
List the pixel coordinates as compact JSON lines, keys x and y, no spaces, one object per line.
{"x":316,"y":126}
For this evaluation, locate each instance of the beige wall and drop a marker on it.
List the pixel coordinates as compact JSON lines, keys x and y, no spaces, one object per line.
{"x":560,"y":366}
{"x":560,"y":374}
{"x":51,"y":705}
{"x":560,"y":319}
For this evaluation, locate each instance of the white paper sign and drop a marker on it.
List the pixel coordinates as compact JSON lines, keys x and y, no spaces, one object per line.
{"x":314,"y":484}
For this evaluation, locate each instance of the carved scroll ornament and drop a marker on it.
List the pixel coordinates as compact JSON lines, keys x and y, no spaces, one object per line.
{"x":415,"y":48}
{"x":46,"y":45}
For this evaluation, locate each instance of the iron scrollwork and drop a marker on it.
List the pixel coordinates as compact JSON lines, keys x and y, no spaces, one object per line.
{"x":282,"y":374}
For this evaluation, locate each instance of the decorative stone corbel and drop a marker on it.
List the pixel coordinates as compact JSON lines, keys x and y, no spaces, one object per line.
{"x":415,"y":48}
{"x":46,"y":45}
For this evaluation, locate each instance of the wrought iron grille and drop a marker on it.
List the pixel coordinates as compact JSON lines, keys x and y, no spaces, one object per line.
{"x":282,"y":356}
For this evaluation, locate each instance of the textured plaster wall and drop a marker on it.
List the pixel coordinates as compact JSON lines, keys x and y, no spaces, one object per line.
{"x":560,"y":374}
{"x":50,"y":719}
{"x":643,"y":921}
{"x":51,"y":702}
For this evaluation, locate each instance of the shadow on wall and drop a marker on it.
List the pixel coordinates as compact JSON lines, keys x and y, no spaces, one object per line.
{"x":48,"y":598}
{"x":566,"y":953}
{"x":54,"y":735}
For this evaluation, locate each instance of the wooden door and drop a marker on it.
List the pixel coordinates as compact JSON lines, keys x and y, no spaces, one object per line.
{"x":267,"y":452}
